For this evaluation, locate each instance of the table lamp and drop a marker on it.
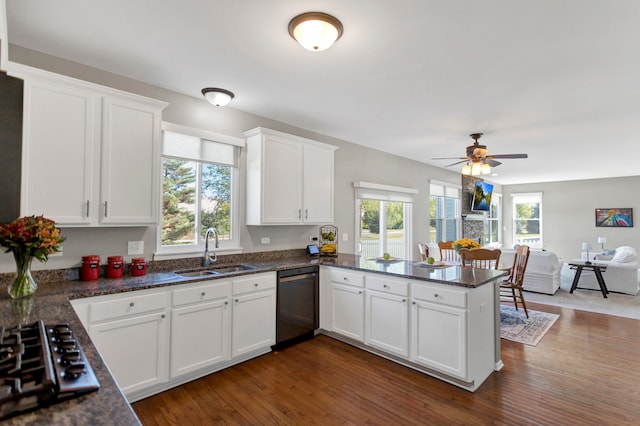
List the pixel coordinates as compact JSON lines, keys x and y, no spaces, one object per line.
{"x":602,"y":240}
{"x":586,"y":246}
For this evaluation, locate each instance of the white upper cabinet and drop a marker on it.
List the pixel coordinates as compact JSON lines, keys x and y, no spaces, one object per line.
{"x":289,"y":179}
{"x":90,"y":154}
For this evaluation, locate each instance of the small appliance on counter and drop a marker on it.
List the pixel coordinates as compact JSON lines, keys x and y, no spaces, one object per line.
{"x":41,"y":365}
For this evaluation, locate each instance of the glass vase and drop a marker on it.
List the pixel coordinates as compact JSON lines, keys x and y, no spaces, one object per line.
{"x":23,"y":285}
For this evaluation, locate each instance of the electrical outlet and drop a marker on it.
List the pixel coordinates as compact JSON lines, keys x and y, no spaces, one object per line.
{"x":345,"y":237}
{"x":135,"y":247}
{"x":265,"y":240}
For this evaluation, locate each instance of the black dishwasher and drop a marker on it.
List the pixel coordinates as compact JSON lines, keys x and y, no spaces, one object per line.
{"x":297,"y":305}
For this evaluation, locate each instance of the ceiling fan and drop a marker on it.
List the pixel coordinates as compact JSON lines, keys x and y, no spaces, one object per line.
{"x":477,"y":161}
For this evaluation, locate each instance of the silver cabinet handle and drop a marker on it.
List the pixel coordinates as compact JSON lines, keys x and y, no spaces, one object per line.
{"x":202,"y":294}
{"x":385,"y":286}
{"x":255,"y":285}
{"x":404,"y":300}
{"x":131,"y":304}
{"x":162,"y":316}
{"x":306,"y":213}
{"x":299,"y":213}
{"x":346,"y":279}
{"x":413,"y":303}
{"x":87,"y":210}
{"x":105,"y":209}
{"x":360,"y":292}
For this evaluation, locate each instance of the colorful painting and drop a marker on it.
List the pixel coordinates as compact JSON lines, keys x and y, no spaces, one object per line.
{"x":614,"y":217}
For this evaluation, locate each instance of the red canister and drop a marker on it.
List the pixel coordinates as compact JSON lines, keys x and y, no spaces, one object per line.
{"x":114,"y":267}
{"x":138,"y":266}
{"x":90,"y":270}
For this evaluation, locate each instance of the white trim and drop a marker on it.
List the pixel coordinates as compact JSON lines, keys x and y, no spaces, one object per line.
{"x":382,"y":187}
{"x":4,"y":42}
{"x":203,"y":134}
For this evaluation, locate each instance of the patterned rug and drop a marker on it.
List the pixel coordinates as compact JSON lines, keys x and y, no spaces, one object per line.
{"x":514,"y":325}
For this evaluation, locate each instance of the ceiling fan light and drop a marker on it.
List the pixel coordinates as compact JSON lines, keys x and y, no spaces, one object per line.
{"x":217,"y":96}
{"x":315,"y":31}
{"x":466,"y":169}
{"x":486,"y":169}
{"x":476,"y":169}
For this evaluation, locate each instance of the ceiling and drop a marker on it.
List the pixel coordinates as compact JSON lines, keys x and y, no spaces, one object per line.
{"x":558,"y":80}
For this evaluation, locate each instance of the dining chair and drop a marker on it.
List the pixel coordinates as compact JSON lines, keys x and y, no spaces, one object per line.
{"x":447,"y":252}
{"x":480,"y":258}
{"x":424,"y":251}
{"x":511,"y":288}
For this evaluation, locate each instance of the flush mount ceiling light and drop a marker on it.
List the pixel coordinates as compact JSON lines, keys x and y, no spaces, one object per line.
{"x":218,"y":97}
{"x":315,"y":31}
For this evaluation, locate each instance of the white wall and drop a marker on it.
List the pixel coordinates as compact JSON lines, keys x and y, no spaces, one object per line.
{"x":352,"y":163}
{"x":568,"y":210}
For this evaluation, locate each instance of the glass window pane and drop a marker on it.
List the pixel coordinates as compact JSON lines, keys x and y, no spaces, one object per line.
{"x":369,"y":228}
{"x":178,"y":201}
{"x":215,"y":200}
{"x":395,"y":229}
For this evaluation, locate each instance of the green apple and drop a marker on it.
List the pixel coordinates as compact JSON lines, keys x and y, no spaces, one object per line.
{"x":386,"y":256}
{"x":430,"y":260}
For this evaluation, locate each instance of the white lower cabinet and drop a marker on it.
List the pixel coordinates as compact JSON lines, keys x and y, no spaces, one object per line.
{"x":132,"y":336}
{"x":440,"y":337}
{"x":347,"y":303}
{"x":156,"y":339}
{"x":387,"y":314}
{"x":200,"y":327}
{"x":254,"y":314}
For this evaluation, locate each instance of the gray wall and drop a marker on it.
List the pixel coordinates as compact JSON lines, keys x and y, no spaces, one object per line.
{"x":568,"y":210}
{"x":352,"y":163}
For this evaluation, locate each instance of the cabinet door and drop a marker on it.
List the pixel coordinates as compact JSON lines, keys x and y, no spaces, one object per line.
{"x":387,"y":322}
{"x":254,"y":322}
{"x":130,"y":162}
{"x":135,"y":349}
{"x":58,"y":152}
{"x":348,"y":311}
{"x":318,"y":185}
{"x":200,"y":336}
{"x":281,"y":181}
{"x":439,"y":337}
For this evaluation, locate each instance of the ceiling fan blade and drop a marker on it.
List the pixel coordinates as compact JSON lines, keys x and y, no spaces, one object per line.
{"x":508,"y":156}
{"x":457,"y":162}
{"x":451,"y":158}
{"x":492,"y":163}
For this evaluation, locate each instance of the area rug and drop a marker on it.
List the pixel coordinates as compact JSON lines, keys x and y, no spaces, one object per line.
{"x":514,"y":325}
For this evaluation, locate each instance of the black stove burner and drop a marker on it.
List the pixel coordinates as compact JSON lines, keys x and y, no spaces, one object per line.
{"x":40,"y":365}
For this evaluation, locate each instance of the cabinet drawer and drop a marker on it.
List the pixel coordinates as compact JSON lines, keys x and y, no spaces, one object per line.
{"x":387,"y":285}
{"x":440,"y":295}
{"x":201,"y":293}
{"x":343,"y":277}
{"x":126,"y":306}
{"x":254,"y":283}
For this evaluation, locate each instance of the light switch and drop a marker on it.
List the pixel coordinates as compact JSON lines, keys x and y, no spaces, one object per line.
{"x":265,"y":240}
{"x":135,"y":247}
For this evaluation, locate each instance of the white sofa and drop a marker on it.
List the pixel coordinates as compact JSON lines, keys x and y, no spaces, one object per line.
{"x":543,"y":270}
{"x":621,"y":275}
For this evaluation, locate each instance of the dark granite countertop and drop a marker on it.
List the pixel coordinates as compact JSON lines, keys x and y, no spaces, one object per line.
{"x":108,"y":406}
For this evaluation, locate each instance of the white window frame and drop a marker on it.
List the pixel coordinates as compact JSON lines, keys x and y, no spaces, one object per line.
{"x":445,"y":190}
{"x":496,"y":199}
{"x":230,"y":246}
{"x":524,"y":198}
{"x":381,"y":192}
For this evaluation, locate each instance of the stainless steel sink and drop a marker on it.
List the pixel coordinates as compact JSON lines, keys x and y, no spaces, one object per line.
{"x":232,"y":268}
{"x":216,"y":270}
{"x":197,"y":273}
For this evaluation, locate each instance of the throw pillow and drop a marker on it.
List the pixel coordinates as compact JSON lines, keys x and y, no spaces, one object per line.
{"x":625,"y":254}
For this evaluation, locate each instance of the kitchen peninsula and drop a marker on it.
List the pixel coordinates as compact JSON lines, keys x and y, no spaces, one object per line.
{"x":440,"y":294}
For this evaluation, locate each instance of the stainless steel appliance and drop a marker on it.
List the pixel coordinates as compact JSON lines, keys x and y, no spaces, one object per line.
{"x":40,"y":365}
{"x":297,"y":315}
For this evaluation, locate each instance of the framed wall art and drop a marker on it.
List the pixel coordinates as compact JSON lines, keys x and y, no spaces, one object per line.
{"x":619,"y":218}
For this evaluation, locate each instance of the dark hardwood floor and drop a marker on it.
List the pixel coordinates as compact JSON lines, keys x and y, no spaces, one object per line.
{"x":585,"y":371}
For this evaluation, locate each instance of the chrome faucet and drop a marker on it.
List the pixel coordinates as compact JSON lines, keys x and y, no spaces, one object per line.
{"x":207,"y":260}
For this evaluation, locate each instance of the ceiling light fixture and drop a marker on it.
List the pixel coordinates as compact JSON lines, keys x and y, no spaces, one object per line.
{"x":218,"y":97}
{"x":315,"y":31}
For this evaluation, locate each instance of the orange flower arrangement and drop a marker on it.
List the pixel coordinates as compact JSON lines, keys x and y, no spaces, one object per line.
{"x":29,"y":237}
{"x":465,"y":243}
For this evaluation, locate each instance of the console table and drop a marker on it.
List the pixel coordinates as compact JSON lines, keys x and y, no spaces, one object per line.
{"x":596,"y":268}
